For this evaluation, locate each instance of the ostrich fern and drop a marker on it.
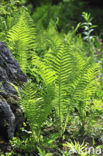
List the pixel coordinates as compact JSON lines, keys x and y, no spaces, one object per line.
{"x":22,"y":39}
{"x":66,"y":81}
{"x":75,"y":82}
{"x":36,"y":99}
{"x":65,"y":77}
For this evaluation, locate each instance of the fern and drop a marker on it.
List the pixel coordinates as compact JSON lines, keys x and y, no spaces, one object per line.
{"x":36,"y":99}
{"x":65,"y":77}
{"x":36,"y":106}
{"x":59,"y":62}
{"x":76,"y":77}
{"x":48,"y":76}
{"x":22,"y":39}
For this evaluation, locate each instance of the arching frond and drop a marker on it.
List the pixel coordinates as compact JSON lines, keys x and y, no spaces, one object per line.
{"x":22,"y":39}
{"x":76,"y":77}
{"x":42,"y":69}
{"x":36,"y":105}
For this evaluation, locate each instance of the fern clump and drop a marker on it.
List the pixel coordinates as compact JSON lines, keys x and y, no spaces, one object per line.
{"x":66,"y":81}
{"x":37,"y":102}
{"x":65,"y":77}
{"x":75,"y":82}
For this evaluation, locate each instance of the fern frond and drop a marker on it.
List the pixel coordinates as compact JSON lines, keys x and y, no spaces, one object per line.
{"x":59,"y":62}
{"x":40,"y":68}
{"x":76,"y":77}
{"x":22,"y":39}
{"x":82,"y":85}
{"x":36,"y":106}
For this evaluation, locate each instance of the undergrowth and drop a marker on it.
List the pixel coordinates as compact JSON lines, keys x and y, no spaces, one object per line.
{"x":62,"y":99}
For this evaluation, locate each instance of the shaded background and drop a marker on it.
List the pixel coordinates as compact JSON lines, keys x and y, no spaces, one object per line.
{"x":67,"y":11}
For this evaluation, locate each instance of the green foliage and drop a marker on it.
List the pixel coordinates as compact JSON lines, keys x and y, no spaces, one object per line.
{"x":88,"y":31}
{"x":88,"y":26}
{"x":66,"y":17}
{"x":63,"y":90}
{"x":59,"y":62}
{"x":65,"y":76}
{"x":36,"y":102}
{"x":22,"y":145}
{"x":75,"y":81}
{"x":22,"y":39}
{"x":47,"y":38}
{"x":44,"y":13}
{"x":76,"y":148}
{"x":66,"y":80}
{"x":43,"y":153}
{"x":8,"y":17}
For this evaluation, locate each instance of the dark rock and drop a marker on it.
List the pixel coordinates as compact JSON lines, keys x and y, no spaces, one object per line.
{"x":10,"y":66}
{"x":7,"y":114}
{"x":10,"y":112}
